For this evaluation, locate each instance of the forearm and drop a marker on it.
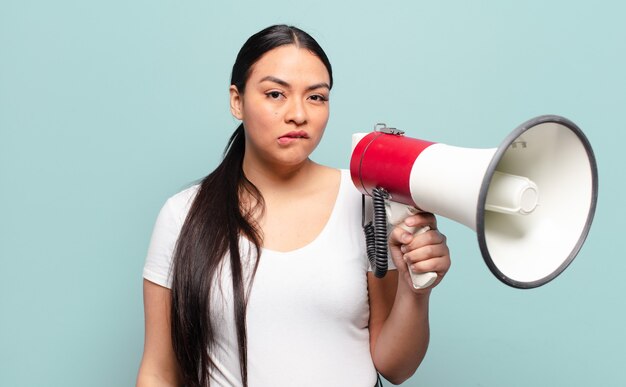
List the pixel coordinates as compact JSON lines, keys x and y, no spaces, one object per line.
{"x":403,"y":340}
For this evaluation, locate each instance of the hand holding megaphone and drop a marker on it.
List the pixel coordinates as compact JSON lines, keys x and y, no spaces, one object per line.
{"x":396,"y":215}
{"x":531,"y":201}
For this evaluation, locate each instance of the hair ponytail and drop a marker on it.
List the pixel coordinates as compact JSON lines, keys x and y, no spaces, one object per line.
{"x":211,"y":230}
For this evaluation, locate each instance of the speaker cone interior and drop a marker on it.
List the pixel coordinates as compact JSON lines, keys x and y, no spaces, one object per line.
{"x":529,"y":250}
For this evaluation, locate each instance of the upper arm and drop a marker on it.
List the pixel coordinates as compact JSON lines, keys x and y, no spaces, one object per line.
{"x":382,"y":293}
{"x":158,"y":365}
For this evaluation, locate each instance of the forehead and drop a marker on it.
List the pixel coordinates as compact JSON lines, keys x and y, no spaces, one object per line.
{"x":288,"y":62}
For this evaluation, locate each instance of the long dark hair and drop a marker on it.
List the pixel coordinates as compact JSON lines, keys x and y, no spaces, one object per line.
{"x":212,"y":229}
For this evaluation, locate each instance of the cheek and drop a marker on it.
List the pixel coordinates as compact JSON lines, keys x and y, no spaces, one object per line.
{"x":260,"y":115}
{"x":260,"y":120}
{"x":260,"y":125}
{"x":326,"y":117}
{"x":322,"y":119}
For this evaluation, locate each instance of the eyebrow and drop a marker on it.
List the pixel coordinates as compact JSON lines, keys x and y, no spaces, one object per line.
{"x":286,"y":84}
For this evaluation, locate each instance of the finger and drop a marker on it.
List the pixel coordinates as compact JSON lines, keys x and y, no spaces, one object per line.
{"x":399,"y":236}
{"x":439,"y":265}
{"x":431,"y":237}
{"x":425,"y":252}
{"x":421,"y":219}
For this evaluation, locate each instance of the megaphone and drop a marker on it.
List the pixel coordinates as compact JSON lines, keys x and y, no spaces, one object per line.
{"x":531,"y":201}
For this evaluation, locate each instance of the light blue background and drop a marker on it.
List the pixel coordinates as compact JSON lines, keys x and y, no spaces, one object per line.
{"x":109,"y":107}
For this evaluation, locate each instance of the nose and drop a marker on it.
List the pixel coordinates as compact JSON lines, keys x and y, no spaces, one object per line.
{"x":296,"y":112}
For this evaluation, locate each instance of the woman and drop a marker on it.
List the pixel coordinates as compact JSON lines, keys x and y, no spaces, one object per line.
{"x":307,"y":311}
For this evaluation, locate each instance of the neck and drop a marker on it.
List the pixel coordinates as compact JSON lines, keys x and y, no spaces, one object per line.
{"x":271,"y":178}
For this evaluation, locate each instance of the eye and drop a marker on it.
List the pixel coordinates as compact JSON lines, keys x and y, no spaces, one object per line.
{"x":318,"y":98}
{"x":274,"y":94}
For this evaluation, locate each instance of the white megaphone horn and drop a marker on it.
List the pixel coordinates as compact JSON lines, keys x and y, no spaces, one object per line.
{"x":531,"y":201}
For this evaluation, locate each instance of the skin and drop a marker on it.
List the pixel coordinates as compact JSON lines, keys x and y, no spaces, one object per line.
{"x":284,"y":109}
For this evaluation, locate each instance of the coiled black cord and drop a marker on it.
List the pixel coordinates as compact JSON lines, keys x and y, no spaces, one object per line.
{"x":376,"y":233}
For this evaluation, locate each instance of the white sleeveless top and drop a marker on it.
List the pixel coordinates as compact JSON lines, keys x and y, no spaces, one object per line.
{"x":308,"y":312}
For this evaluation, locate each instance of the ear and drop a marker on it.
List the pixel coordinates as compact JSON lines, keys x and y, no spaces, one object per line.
{"x":236,"y":102}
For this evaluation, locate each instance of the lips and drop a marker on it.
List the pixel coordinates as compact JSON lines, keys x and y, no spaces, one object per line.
{"x":295,"y":135}
{"x":292,"y":137}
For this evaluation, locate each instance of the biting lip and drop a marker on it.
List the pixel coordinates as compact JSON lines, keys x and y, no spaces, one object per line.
{"x":294,"y":134}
